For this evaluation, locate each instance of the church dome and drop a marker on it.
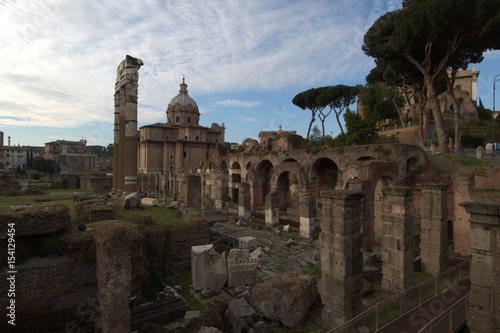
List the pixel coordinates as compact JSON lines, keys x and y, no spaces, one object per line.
{"x":182,"y":109}
{"x":183,"y":98}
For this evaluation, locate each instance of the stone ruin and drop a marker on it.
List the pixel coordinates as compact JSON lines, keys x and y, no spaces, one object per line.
{"x":210,"y":270}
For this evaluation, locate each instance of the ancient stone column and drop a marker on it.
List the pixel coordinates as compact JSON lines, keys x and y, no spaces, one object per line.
{"x":120,"y":184}
{"x":307,"y":211}
{"x":341,"y":257}
{"x":272,"y":209}
{"x":116,"y":143}
{"x":366,"y":224}
{"x":218,"y":193}
{"x":113,"y":253}
{"x":484,"y":312}
{"x":126,"y":90}
{"x":397,"y":242}
{"x":434,"y":233}
{"x":244,"y":201}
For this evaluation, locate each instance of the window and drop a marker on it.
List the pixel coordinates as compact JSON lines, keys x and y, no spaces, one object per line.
{"x":197,"y":138}
{"x":185,"y":154}
{"x":171,"y":154}
{"x":177,"y":119}
{"x":185,"y":137}
{"x":189,"y":120}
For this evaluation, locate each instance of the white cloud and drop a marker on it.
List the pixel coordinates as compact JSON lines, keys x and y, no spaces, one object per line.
{"x":247,"y":119}
{"x":238,"y":103}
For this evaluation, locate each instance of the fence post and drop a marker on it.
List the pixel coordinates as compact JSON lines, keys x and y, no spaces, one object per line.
{"x":420,"y":294}
{"x":435,"y":285}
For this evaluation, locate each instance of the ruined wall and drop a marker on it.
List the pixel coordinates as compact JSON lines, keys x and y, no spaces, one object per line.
{"x":51,"y":293}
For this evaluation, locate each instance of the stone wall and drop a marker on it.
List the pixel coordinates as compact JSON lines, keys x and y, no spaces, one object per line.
{"x":51,"y":293}
{"x":463,"y":186}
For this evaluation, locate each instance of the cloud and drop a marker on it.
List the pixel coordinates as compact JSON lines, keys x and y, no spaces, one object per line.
{"x":238,"y":103}
{"x":247,"y":119}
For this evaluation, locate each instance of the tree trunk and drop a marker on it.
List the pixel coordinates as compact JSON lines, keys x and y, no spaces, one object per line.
{"x":310,"y":126}
{"x":337,"y":115}
{"x":456,"y":113}
{"x":400,"y":113}
{"x":438,"y":116}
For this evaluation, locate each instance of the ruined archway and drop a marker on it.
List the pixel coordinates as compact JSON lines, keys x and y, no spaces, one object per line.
{"x":324,"y":175}
{"x":288,"y":189}
{"x":262,"y":182}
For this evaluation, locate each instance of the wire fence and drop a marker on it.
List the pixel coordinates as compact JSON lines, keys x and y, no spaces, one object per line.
{"x":390,"y":309}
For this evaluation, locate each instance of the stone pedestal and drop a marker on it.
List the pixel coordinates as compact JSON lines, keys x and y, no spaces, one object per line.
{"x":244,"y":202}
{"x":113,"y":253}
{"x":272,"y":209}
{"x":241,"y":268}
{"x":341,"y":256}
{"x":483,"y":314}
{"x":208,"y":268}
{"x":434,"y":233}
{"x":397,"y":242}
{"x":307,"y":211}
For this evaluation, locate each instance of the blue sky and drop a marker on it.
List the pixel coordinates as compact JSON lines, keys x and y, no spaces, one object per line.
{"x":243,"y":61}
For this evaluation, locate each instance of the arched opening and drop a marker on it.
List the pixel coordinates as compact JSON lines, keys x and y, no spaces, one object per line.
{"x":262,"y":185}
{"x":324,"y":176}
{"x":235,"y":181}
{"x":288,"y":188}
{"x":411,"y":166}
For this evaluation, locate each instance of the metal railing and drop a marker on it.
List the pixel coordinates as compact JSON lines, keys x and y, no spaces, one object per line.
{"x":451,"y":320}
{"x":390,"y":309}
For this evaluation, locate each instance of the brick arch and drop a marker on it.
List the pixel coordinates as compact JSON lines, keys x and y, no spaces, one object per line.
{"x":293,"y":168}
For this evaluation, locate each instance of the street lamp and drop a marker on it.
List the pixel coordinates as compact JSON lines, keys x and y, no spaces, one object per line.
{"x":495,"y":79}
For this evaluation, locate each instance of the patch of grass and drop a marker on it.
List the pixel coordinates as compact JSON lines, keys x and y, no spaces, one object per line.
{"x":311,"y":269}
{"x":185,"y":282}
{"x":383,"y":151}
{"x":459,"y":164}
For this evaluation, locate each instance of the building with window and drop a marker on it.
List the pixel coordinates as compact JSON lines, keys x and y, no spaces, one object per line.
{"x":12,"y":156}
{"x":71,"y":156}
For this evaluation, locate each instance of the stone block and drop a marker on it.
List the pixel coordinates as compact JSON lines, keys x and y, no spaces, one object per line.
{"x":480,"y":297}
{"x":481,"y":239}
{"x":149,"y":202}
{"x":132,"y":200}
{"x":247,"y":242}
{"x":190,"y":315}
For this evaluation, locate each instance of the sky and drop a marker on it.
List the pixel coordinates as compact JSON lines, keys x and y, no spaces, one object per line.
{"x":243,"y":62}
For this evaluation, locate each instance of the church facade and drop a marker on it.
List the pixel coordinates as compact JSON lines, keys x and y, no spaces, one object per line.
{"x":169,"y":152}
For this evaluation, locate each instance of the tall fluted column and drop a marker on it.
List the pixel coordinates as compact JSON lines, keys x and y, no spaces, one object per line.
{"x":126,"y":90}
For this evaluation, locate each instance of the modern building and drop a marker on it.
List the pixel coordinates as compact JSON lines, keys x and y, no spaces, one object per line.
{"x":171,"y":151}
{"x":12,"y":156}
